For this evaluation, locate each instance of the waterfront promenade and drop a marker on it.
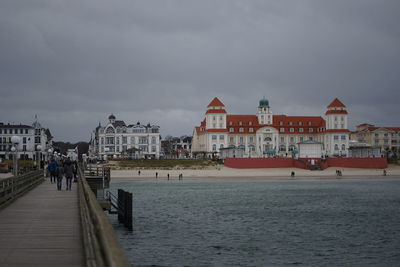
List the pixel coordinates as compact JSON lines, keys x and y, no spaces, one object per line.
{"x":42,"y":228}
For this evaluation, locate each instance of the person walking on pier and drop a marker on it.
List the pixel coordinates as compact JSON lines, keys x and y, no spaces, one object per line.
{"x":52,"y":170}
{"x":69,"y":173}
{"x":59,"y":174}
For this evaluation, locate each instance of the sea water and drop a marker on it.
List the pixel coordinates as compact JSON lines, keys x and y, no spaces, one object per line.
{"x":263,"y":223}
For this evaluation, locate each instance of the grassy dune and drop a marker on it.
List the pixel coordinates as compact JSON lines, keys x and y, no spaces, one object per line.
{"x":169,"y":164}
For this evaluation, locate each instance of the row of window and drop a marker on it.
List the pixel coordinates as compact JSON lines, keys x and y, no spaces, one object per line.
{"x":125,"y":148}
{"x":343,"y":146}
{"x":110,"y":130}
{"x":342,"y":137}
{"x":7,"y":140}
{"x":16,"y":131}
{"x":124,"y":140}
{"x":8,"y":147}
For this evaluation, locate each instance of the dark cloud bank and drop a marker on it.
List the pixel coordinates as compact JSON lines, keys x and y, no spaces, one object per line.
{"x":75,"y":62}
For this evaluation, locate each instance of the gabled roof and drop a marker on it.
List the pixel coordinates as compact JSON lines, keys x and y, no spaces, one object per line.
{"x":216,"y":103}
{"x":336,"y":103}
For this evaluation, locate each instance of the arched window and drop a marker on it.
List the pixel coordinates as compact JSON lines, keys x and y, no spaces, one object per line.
{"x":336,"y":147}
{"x":110,"y":130}
{"x":282,"y":148}
{"x":214,"y":147}
{"x":343,"y":147}
{"x":292,"y":147}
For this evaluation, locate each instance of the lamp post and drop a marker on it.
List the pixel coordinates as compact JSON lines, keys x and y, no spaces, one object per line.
{"x":38,"y":149}
{"x":15,"y":140}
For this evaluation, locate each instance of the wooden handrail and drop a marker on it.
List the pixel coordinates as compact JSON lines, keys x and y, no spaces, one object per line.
{"x":13,"y":187}
{"x":101,"y":244}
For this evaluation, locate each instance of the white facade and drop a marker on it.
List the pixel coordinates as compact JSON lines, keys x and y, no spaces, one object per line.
{"x":117,"y":140}
{"x":266,"y":135}
{"x":31,"y":138}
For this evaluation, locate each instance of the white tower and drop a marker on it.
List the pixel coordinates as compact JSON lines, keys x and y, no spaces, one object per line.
{"x":336,"y":115}
{"x":216,"y":115}
{"x":264,"y":112}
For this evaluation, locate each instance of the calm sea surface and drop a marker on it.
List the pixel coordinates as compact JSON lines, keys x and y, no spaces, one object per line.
{"x":263,"y":223}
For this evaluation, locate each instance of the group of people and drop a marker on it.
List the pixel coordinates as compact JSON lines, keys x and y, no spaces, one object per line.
{"x":60,"y":168}
{"x":338,"y":173}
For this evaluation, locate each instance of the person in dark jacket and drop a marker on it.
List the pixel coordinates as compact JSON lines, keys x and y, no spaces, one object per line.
{"x":59,"y":174}
{"x":52,"y":167}
{"x":69,"y":173}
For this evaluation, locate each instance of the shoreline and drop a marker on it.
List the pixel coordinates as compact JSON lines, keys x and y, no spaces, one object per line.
{"x":225,"y":173}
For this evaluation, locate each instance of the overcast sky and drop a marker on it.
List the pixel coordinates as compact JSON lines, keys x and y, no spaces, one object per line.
{"x":75,"y":62}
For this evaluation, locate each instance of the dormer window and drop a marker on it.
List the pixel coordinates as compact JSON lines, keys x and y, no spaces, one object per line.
{"x":281,"y":123}
{"x":250,"y":123}
{"x":309,"y":123}
{"x":230,"y":123}
{"x":300,"y":123}
{"x":290,"y":123}
{"x":240,"y":123}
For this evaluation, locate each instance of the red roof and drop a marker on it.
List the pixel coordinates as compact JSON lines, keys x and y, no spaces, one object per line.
{"x":336,"y":104}
{"x":212,"y":111}
{"x":216,"y":103}
{"x":335,"y":112}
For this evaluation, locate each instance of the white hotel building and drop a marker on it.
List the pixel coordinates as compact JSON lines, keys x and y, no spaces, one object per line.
{"x":31,"y":138}
{"x":265,"y":134}
{"x":118,"y":140}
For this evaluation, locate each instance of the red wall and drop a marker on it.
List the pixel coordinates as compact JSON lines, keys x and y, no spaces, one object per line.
{"x":240,"y":163}
{"x":258,"y":162}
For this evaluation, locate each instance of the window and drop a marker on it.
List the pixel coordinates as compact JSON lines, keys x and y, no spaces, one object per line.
{"x":220,"y":118}
{"x":132,"y":140}
{"x":290,"y":123}
{"x":117,"y":148}
{"x":24,"y":140}
{"x":335,"y":137}
{"x":301,"y":138}
{"x":343,"y":147}
{"x":5,"y":131}
{"x":153,"y":140}
{"x":309,"y":123}
{"x":343,"y":137}
{"x":240,"y":123}
{"x":335,"y":126}
{"x":26,"y":131}
{"x":282,"y":139}
{"x":241,"y":130}
{"x":221,"y":125}
{"x":221,"y":137}
{"x":241,"y":139}
{"x":143,"y":140}
{"x":251,"y":130}
{"x":153,"y":149}
{"x":231,"y":139}
{"x":376,"y":135}
{"x":231,"y":130}
{"x":16,"y":131}
{"x":310,"y":130}
{"x":124,"y":140}
{"x":23,"y":147}
{"x":292,"y":139}
{"x":230,"y":123}
{"x":385,"y":135}
{"x":214,"y":125}
{"x":110,"y":130}
{"x":102,"y":140}
{"x":1,"y":131}
{"x":214,"y":137}
{"x":336,"y":147}
{"x":252,"y":148}
{"x":221,"y":146}
{"x":250,"y":123}
{"x":335,"y":118}
{"x":117,"y":140}
{"x":282,"y":148}
{"x":21,"y":131}
{"x":310,"y":138}
{"x":213,"y":118}
{"x":341,"y":118}
{"x":342,"y":125}
{"x":291,"y":130}
{"x":281,"y":123}
{"x":251,"y":139}
{"x":214,"y":147}
{"x":301,"y":130}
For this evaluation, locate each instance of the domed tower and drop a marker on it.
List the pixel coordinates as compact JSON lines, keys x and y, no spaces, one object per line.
{"x":264,"y":112}
{"x":111,"y":118}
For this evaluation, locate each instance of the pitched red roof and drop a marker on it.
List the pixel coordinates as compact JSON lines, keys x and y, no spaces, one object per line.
{"x":335,"y":112}
{"x":212,"y":111}
{"x":336,"y":103}
{"x":216,"y":103}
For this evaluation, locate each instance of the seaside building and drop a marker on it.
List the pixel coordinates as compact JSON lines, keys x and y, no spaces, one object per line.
{"x":265,"y":134}
{"x":118,"y":140}
{"x":385,"y":138}
{"x":32,"y":137}
{"x":177,"y":147}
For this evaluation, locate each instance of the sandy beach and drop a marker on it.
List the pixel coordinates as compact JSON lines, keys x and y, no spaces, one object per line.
{"x":255,"y":174}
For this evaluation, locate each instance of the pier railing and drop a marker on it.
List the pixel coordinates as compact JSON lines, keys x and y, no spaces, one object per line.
{"x":101,"y":245}
{"x":13,"y":187}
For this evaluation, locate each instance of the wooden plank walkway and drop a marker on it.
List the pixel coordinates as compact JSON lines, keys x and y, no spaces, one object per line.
{"x":42,"y":228}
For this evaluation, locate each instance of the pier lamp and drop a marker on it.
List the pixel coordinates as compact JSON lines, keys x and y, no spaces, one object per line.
{"x":38,"y":150}
{"x":15,"y":140}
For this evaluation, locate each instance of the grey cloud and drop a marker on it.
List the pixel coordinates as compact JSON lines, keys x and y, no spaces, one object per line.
{"x":74,"y":62}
